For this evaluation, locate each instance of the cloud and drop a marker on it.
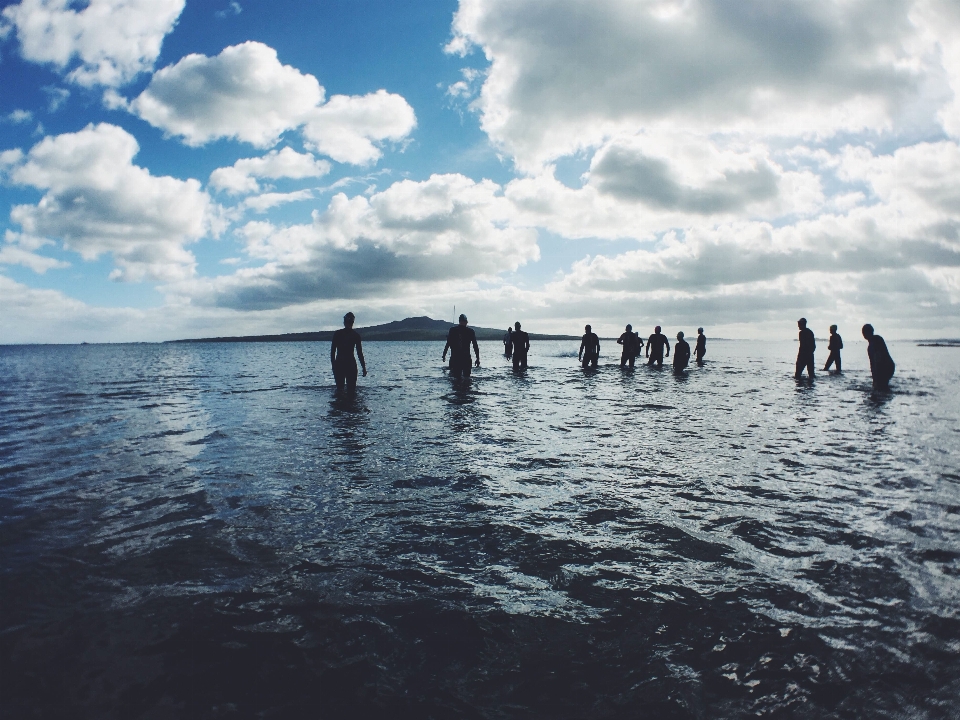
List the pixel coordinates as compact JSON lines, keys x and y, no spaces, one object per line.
{"x":105,"y":42}
{"x":566,"y":75}
{"x":19,"y":116}
{"x":446,"y":229}
{"x":18,"y":250}
{"x":347,"y":127}
{"x":245,"y":93}
{"x":262,"y":203}
{"x":285,"y":163}
{"x":97,"y":201}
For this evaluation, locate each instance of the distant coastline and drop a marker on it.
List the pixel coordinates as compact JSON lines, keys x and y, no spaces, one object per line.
{"x":408,"y":329}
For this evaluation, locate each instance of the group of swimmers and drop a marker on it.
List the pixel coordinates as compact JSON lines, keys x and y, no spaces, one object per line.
{"x":882,"y":366}
{"x":461,"y":339}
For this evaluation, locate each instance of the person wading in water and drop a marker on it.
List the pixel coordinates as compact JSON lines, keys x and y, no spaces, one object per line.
{"x":632,"y":345}
{"x":521,"y":346}
{"x":589,"y":348}
{"x":344,"y":365}
{"x":459,"y":340}
{"x":655,"y":345}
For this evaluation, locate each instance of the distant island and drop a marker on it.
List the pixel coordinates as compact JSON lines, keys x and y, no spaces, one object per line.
{"x":415,"y":328}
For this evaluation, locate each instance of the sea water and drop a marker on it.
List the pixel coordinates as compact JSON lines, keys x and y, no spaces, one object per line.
{"x":209,"y":530}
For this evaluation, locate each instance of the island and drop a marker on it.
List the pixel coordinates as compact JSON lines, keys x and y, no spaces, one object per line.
{"x":415,"y":328}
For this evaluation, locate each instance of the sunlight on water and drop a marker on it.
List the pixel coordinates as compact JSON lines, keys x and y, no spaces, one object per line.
{"x":209,"y":528}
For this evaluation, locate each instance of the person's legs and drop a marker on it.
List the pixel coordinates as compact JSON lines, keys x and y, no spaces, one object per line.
{"x":351,"y":375}
{"x":633,"y":359}
{"x":810,"y":366}
{"x":801,"y":364}
{"x":339,"y":377}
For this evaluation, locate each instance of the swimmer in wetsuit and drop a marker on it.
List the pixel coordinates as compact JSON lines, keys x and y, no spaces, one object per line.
{"x":805,"y":354}
{"x":835,"y":346}
{"x":459,"y":340}
{"x":655,"y":345}
{"x":882,"y":366}
{"x":632,"y":345}
{"x":701,"y":348}
{"x":589,"y":353}
{"x":681,"y":353}
{"x":521,"y":346}
{"x":508,"y":343}
{"x":342,"y":348}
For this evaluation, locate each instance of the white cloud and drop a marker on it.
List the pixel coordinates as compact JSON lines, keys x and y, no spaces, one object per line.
{"x":412,"y":235}
{"x":106,"y":42}
{"x":262,"y":203}
{"x":566,"y":75}
{"x":18,"y":250}
{"x":97,"y":201}
{"x":19,"y":116}
{"x":285,"y":163}
{"x":245,"y":93}
{"x":347,"y":127}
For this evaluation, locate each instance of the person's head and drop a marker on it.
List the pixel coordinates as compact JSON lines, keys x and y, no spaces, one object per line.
{"x":463,"y":319}
{"x":833,"y":328}
{"x":517,"y":325}
{"x":629,"y":328}
{"x":867,"y":331}
{"x":657,"y":329}
{"x":699,"y":331}
{"x":680,"y":335}
{"x":348,"y":319}
{"x":802,"y":323}
{"x":586,"y":328}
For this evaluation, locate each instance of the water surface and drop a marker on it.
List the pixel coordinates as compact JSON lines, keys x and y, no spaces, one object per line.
{"x":209,"y":531}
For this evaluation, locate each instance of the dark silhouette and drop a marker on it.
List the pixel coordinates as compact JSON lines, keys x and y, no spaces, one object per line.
{"x":805,"y":354}
{"x":508,"y":343}
{"x":835,"y":346}
{"x":632,"y":344}
{"x":459,"y":340}
{"x":681,"y":354}
{"x":882,"y":366}
{"x":589,"y":348}
{"x":655,"y":345}
{"x":341,"y":354}
{"x":701,"y":348}
{"x":521,"y":346}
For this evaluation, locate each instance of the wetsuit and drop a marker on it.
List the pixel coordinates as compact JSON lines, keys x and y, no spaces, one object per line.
{"x":835,"y":346}
{"x":701,"y":348}
{"x":655,"y":345}
{"x":459,"y":340}
{"x":805,"y":355}
{"x":681,"y":355}
{"x":521,"y":345}
{"x":590,"y":349}
{"x":345,"y":340}
{"x":508,"y":343}
{"x":631,"y":348}
{"x":882,"y":366}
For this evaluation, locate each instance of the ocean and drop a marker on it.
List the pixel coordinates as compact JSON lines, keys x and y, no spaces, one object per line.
{"x":208,"y":530}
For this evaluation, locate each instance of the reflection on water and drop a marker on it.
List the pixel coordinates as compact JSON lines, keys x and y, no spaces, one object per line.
{"x":211,"y":530}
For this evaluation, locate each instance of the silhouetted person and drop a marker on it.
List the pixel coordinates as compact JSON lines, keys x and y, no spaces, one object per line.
{"x":655,"y":345}
{"x":805,"y":354}
{"x":632,"y":344}
{"x":344,"y":364}
{"x":459,"y":340}
{"x":882,"y":366}
{"x":701,"y":348}
{"x":681,"y":353}
{"x":508,"y":343}
{"x":589,"y":348}
{"x":521,"y":346}
{"x":835,"y":346}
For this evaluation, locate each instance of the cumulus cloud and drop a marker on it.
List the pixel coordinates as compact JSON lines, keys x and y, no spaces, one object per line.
{"x":19,"y":250}
{"x":445,"y":229}
{"x":101,"y":42}
{"x":245,"y":93}
{"x":285,"y":163}
{"x":565,"y":75}
{"x":97,"y":201}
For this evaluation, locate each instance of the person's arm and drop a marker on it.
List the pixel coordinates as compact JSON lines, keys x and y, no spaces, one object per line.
{"x":363,"y":363}
{"x":620,"y":340}
{"x":580,"y":354}
{"x":598,"y":346}
{"x":527,"y":343}
{"x":476,"y":349}
{"x":445,"y":348}
{"x":667,"y":343}
{"x":333,"y":352}
{"x":648,"y":348}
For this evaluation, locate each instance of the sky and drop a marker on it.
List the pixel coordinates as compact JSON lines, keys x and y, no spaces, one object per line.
{"x":177,"y":168}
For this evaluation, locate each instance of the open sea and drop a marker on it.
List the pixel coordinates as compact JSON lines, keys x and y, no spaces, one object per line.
{"x":208,"y":531}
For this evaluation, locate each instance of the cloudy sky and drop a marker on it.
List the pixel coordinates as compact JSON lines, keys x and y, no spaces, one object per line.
{"x":178,"y":168}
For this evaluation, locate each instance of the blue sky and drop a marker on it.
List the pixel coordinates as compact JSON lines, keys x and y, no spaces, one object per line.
{"x":178,"y":169}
